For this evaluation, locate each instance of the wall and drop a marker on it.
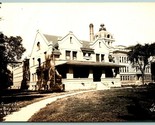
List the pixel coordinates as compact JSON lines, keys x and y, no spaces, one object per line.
{"x":111,"y":82}
{"x":17,"y":77}
{"x":78,"y":83}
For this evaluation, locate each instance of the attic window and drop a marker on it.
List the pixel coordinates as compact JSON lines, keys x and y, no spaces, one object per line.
{"x":71,"y":40}
{"x":38,"y":45}
{"x":99,"y":44}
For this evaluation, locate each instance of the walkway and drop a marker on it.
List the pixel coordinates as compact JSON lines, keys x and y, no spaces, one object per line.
{"x":25,"y":113}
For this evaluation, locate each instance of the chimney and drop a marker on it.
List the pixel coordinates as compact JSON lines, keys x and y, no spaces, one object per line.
{"x":91,"y":28}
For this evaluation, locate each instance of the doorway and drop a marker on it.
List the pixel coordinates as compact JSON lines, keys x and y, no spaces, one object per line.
{"x":97,"y":72}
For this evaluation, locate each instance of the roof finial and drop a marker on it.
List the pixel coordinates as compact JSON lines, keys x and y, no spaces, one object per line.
{"x":102,"y":27}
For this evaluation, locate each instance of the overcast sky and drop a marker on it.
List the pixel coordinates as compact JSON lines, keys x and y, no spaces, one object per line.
{"x":130,"y":23}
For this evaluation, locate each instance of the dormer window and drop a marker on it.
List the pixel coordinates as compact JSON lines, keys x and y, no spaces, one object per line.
{"x":84,"y":54}
{"x":38,"y":45}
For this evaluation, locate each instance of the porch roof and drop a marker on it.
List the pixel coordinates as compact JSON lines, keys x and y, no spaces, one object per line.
{"x":91,"y":63}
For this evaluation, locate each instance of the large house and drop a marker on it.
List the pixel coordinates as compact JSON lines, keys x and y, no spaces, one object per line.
{"x":93,"y":63}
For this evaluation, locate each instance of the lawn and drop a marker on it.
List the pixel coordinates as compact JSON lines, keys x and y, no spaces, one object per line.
{"x":114,"y":105}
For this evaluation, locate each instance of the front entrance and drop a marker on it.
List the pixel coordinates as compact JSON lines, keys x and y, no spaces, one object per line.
{"x":97,"y":72}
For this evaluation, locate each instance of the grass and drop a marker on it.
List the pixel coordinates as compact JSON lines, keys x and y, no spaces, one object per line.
{"x":114,"y":105}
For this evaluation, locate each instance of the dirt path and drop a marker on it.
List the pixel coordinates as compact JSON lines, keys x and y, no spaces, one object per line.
{"x":25,"y":113}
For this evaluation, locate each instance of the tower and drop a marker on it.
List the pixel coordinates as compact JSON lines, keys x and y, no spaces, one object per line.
{"x":91,"y":28}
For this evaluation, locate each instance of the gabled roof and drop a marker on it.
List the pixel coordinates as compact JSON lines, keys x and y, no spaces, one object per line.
{"x":86,"y":46}
{"x":52,"y":38}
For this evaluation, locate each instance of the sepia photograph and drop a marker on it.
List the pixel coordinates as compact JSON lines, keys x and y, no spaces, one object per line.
{"x":74,"y":61}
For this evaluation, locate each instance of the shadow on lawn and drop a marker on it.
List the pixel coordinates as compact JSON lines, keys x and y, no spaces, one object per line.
{"x":11,"y":96}
{"x":140,"y":108}
{"x":13,"y":99}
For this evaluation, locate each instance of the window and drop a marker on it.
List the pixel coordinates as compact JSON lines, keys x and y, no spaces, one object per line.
{"x":68,"y":55}
{"x":120,"y":59}
{"x":99,"y":44}
{"x":127,"y":69}
{"x":102,"y":57}
{"x":71,"y":40}
{"x":97,"y":57}
{"x":120,"y":70}
{"x":32,"y":77}
{"x":56,"y":56}
{"x":124,"y":59}
{"x":121,"y":78}
{"x":127,"y":59}
{"x":128,"y":78}
{"x":74,"y":55}
{"x":108,"y":36}
{"x":89,"y":54}
{"x":124,"y":69}
{"x":33,"y":61}
{"x":39,"y":61}
{"x":84,"y":54}
{"x":38,"y":45}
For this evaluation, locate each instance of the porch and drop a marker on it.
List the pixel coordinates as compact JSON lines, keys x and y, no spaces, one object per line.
{"x":89,"y":75}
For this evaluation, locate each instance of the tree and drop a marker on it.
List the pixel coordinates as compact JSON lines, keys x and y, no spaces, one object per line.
{"x":11,"y":50}
{"x":139,"y":56}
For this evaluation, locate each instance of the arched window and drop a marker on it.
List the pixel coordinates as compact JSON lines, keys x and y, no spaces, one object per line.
{"x":108,"y":36}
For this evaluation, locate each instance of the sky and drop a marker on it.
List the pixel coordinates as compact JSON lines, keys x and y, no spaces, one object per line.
{"x":129,"y":22}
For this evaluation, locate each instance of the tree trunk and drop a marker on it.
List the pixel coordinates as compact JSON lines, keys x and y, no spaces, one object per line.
{"x":143,"y":78}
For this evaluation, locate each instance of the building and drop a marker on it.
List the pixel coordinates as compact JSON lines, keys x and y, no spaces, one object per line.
{"x":129,"y":75}
{"x":82,"y":64}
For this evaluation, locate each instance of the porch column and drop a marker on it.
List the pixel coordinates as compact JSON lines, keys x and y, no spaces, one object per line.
{"x":103,"y":74}
{"x":90,"y":73}
{"x":70,"y":73}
